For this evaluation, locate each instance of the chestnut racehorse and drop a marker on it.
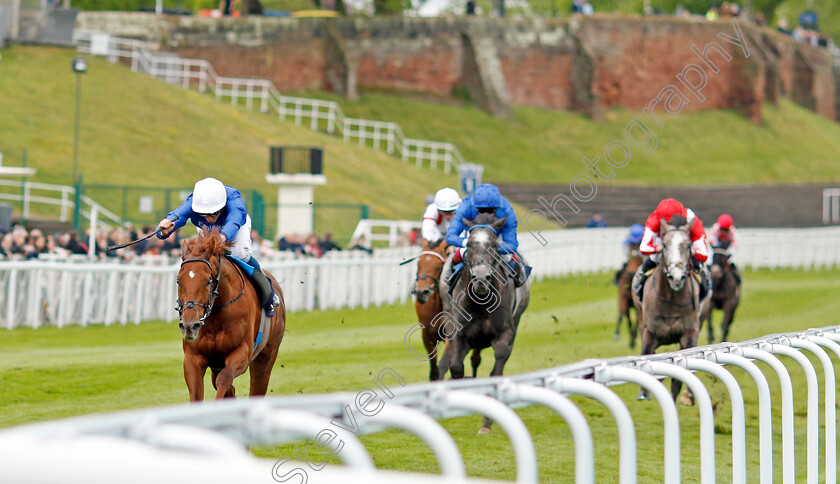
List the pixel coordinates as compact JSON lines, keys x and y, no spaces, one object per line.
{"x":220,"y":320}
{"x":428,"y":305}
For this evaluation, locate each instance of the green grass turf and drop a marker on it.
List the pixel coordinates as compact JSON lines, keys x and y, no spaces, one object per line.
{"x":50,"y":373}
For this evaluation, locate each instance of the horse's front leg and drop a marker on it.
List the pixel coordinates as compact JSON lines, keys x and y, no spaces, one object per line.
{"x":711,"y":327}
{"x":430,"y":343}
{"x":194,"y":368}
{"x":460,"y":348}
{"x":649,"y":344}
{"x":235,"y":364}
{"x":728,"y":316}
{"x":475,"y":360}
{"x":617,"y":333}
{"x":446,"y":359}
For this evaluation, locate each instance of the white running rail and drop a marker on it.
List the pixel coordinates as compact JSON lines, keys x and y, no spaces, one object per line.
{"x":56,"y":292}
{"x":188,"y":439}
{"x":261,"y":94}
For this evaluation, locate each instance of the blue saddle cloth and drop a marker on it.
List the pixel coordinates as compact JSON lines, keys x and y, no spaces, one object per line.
{"x":250,"y":271}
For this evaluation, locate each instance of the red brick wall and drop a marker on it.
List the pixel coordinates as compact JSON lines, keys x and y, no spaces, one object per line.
{"x":414,"y":65}
{"x":293,"y":67}
{"x":636,"y":58}
{"x":588,"y":64}
{"x":538,"y":76}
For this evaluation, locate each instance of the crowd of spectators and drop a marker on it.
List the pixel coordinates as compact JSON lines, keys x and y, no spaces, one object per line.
{"x":806,"y":31}
{"x":22,"y":244}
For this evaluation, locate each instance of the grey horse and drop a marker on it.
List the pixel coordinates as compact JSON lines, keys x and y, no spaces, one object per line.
{"x":670,"y":303}
{"x":485,"y":308}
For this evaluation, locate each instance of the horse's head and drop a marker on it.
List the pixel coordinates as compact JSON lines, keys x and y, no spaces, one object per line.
{"x":429,"y":266}
{"x":676,"y":250}
{"x":198,"y":281}
{"x":482,"y":257}
{"x":720,"y":261}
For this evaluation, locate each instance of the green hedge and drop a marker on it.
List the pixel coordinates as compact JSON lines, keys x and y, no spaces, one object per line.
{"x":135,"y":5}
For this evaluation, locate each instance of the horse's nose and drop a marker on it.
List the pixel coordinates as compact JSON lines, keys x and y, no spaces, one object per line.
{"x":195,"y":327}
{"x":181,"y":325}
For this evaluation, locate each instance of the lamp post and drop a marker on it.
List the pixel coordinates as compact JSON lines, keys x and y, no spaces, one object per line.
{"x":79,"y":67}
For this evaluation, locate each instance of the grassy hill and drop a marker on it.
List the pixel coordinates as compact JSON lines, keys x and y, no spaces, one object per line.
{"x":136,"y":130}
{"x":542,"y":146}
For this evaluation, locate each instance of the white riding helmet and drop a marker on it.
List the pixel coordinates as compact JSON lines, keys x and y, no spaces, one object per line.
{"x":209,"y":196}
{"x":447,"y":200}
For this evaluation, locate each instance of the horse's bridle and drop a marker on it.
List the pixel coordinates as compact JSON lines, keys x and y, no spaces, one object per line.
{"x":420,"y":277}
{"x":214,"y":293}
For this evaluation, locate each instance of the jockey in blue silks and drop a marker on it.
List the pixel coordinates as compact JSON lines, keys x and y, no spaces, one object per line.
{"x":213,"y":204}
{"x":631,"y":243}
{"x":487,"y":199}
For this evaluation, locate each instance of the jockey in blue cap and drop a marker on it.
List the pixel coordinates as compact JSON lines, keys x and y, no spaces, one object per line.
{"x":214,"y":204}
{"x":631,"y":243}
{"x":486,"y":199}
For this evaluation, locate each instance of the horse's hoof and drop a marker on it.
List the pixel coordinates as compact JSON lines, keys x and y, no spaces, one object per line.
{"x":485,"y":430}
{"x":616,"y":337}
{"x":643,"y":395}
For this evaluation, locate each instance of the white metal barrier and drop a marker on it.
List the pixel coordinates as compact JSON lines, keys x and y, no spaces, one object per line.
{"x":62,"y":196}
{"x":53,"y":292}
{"x":221,"y":428}
{"x":262,"y":94}
{"x":371,"y":230}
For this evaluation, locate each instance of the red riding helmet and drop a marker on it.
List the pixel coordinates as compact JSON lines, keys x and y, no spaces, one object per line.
{"x":725,"y":221}
{"x":669,"y":207}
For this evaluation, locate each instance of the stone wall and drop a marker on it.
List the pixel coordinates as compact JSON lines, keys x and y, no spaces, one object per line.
{"x":584,"y":64}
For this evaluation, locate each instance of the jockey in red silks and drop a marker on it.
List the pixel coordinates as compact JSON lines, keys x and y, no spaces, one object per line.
{"x":438,"y":215}
{"x":214,"y":204}
{"x":724,"y":236}
{"x":651,"y":245}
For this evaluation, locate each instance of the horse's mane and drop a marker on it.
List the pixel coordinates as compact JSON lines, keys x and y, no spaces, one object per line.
{"x":485,"y":219}
{"x":677,"y":221}
{"x":207,"y":244}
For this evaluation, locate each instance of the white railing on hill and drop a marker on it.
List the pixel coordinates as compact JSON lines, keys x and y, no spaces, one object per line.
{"x":210,"y":441}
{"x":389,"y":231}
{"x":52,"y":292}
{"x":261,"y":94}
{"x":61,"y":196}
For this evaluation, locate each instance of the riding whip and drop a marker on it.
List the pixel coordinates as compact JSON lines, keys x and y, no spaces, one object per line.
{"x":127,"y":244}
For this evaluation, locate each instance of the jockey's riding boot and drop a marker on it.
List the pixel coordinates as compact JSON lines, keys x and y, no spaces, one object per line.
{"x":455,"y":266}
{"x":640,"y":277}
{"x":618,"y":273}
{"x":265,"y":290}
{"x":735,"y":272}
{"x":705,"y":279}
{"x":517,"y":273}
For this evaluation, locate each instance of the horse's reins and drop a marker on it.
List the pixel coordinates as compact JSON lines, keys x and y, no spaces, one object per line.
{"x":208,"y":308}
{"x":421,"y":277}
